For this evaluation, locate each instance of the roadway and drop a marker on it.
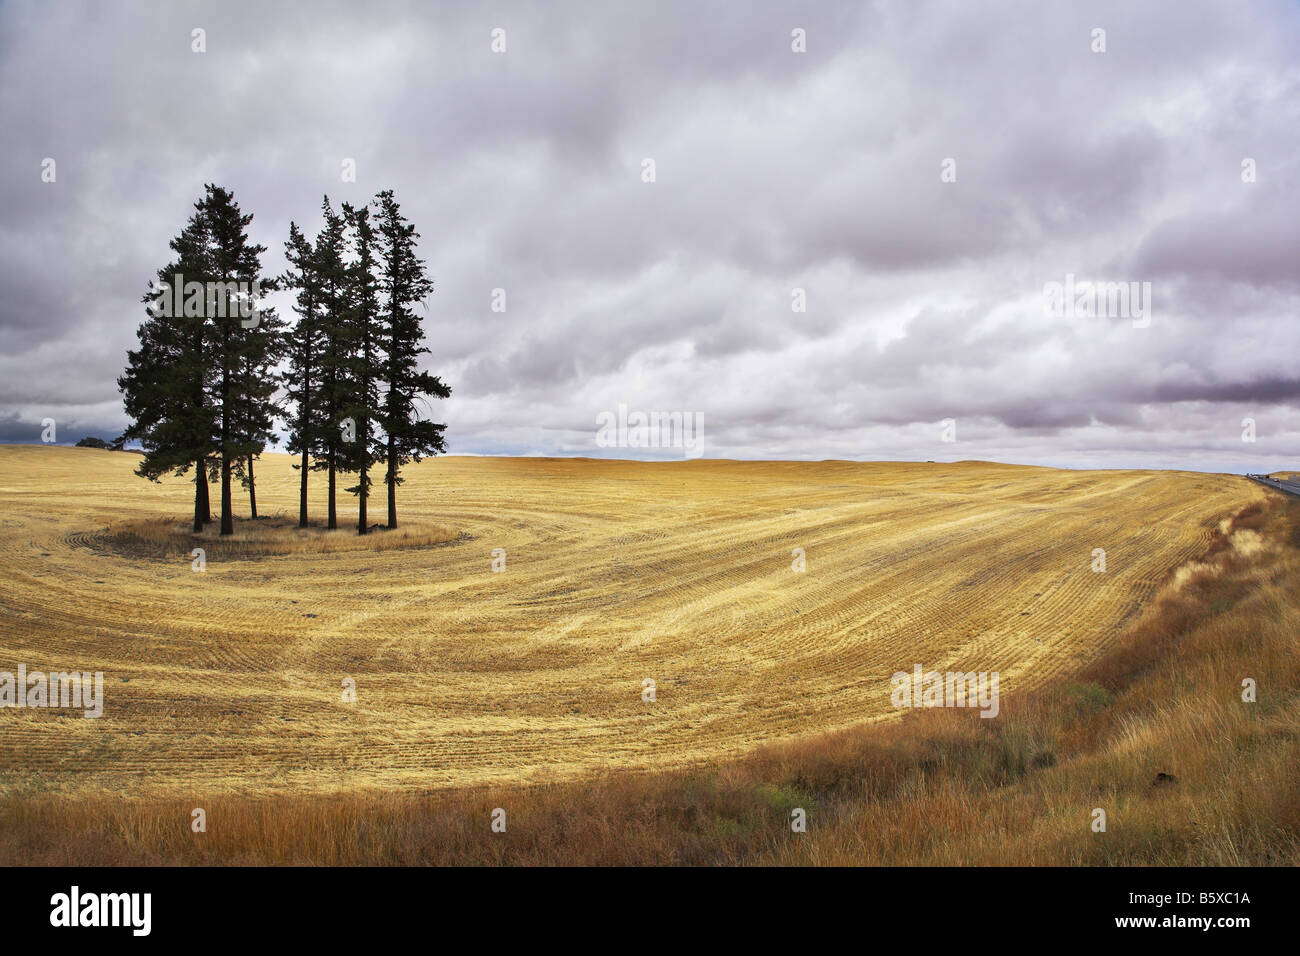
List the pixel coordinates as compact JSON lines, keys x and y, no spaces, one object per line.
{"x":1290,"y":487}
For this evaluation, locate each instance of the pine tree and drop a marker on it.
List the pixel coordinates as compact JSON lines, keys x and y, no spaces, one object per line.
{"x":335,"y":356}
{"x":164,"y":386}
{"x":239,"y":355}
{"x":303,"y":347}
{"x":404,"y":283}
{"x":365,"y":371}
{"x":256,"y":406}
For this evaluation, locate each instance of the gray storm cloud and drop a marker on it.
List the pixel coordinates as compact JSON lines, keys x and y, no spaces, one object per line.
{"x":775,"y":171}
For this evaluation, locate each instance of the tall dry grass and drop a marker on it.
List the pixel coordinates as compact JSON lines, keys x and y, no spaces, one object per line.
{"x":1155,"y":733}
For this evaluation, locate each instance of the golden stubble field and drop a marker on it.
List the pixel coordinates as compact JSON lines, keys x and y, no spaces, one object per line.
{"x":231,"y":680}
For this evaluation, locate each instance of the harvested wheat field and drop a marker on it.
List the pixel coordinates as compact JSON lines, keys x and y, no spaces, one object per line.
{"x":231,"y":680}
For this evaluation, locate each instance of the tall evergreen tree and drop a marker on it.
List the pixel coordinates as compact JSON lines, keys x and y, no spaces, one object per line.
{"x":164,"y":386}
{"x":238,"y":353}
{"x":256,"y":406}
{"x":303,"y":348}
{"x":336,"y":352}
{"x":404,"y":283}
{"x":366,"y":369}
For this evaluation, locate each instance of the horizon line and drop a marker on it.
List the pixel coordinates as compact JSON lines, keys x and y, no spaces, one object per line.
{"x":706,"y":458}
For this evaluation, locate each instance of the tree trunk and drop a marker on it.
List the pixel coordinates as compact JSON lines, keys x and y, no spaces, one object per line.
{"x":202,"y":501}
{"x":227,"y":508}
{"x":205,"y":495}
{"x":302,"y":491}
{"x":362,"y":528}
{"x":391,"y":478}
{"x":202,"y":510}
{"x":333,"y":515}
{"x":252,"y":491}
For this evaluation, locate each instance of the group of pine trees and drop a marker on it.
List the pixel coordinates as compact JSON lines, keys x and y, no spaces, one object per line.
{"x":214,"y":370}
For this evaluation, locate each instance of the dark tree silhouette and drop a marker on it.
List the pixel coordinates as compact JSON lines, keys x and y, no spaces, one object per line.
{"x":164,"y":387}
{"x":366,"y":369}
{"x":404,"y":283}
{"x":256,"y":406}
{"x":335,"y":391}
{"x":241,"y":356}
{"x":303,"y":348}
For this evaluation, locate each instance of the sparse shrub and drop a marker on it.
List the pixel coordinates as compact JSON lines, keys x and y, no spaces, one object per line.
{"x":783,"y":799}
{"x":1089,"y":697}
{"x":724,"y":828}
{"x":1025,"y":749}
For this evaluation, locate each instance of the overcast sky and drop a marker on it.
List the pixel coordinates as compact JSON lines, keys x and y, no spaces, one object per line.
{"x":774,"y":170}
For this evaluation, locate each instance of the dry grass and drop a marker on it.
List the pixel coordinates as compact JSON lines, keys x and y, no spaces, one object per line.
{"x":617,"y":572}
{"x":935,"y":787}
{"x":941,"y":787}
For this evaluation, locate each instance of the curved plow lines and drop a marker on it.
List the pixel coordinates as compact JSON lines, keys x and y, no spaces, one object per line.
{"x":617,"y":573}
